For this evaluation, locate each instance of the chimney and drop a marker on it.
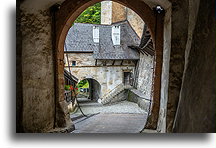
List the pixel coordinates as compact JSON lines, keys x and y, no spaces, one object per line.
{"x":96,"y":34}
{"x":106,"y":12}
{"x":116,"y":35}
{"x":112,"y":12}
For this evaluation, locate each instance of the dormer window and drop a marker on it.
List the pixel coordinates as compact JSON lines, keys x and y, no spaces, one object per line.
{"x":116,"y":35}
{"x":96,"y":34}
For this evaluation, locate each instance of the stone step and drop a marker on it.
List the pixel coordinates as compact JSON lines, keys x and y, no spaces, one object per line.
{"x":111,"y":96}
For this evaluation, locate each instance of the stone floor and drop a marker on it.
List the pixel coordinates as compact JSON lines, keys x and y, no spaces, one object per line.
{"x":121,"y":117}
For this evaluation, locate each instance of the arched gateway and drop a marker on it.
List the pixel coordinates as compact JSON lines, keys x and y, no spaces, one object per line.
{"x":70,"y":10}
{"x":63,"y":16}
{"x":94,"y":89}
{"x":184,"y":58}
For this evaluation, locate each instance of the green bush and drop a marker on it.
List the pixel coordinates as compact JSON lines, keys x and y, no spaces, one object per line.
{"x":91,"y":15}
{"x":67,"y":87}
{"x":82,"y":83}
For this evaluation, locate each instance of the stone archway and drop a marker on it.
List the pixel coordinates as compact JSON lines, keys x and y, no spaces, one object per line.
{"x":36,"y":107}
{"x":94,"y":90}
{"x":69,"y":11}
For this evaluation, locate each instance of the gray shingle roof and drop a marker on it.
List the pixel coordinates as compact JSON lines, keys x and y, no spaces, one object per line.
{"x":80,"y":39}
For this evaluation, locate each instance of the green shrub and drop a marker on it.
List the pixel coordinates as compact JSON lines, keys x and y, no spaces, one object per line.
{"x":67,"y":87}
{"x":91,"y":15}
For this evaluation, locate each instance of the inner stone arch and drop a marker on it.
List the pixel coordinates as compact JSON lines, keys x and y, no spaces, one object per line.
{"x":68,"y":12}
{"x":94,"y":89}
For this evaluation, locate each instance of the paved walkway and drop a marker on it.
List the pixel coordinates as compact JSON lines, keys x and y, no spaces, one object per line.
{"x":122,"y":117}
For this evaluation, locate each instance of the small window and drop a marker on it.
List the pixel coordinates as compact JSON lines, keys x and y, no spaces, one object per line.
{"x":73,"y":63}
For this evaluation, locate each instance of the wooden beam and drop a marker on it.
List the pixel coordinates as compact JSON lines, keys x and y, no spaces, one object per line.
{"x":122,"y":62}
{"x":142,"y":43}
{"x":138,"y":48}
{"x":104,"y":63}
{"x":149,"y":50}
{"x":113,"y":62}
{"x":135,"y":61}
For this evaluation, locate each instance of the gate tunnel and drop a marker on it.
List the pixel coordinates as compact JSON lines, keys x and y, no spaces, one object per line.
{"x":94,"y":89}
{"x":68,"y":13}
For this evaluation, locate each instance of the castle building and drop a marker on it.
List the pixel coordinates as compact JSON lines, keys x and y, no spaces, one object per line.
{"x":102,"y":54}
{"x":112,"y":12}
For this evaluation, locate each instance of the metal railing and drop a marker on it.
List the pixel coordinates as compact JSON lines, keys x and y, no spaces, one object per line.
{"x":68,"y":96}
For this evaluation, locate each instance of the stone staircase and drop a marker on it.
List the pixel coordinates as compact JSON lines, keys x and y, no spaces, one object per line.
{"x":114,"y":94}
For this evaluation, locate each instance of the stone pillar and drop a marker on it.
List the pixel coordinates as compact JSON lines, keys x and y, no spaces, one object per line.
{"x":112,"y":12}
{"x":106,"y":12}
{"x":36,"y":104}
{"x":177,"y":58}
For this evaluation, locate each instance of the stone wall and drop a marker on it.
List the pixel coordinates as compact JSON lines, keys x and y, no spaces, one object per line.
{"x":146,"y":66}
{"x":196,"y":109}
{"x":37,"y":70}
{"x":82,"y":59}
{"x":32,"y":9}
{"x":94,"y":89}
{"x":123,"y":95}
{"x":112,"y":12}
{"x":137,"y":96}
{"x":37,"y":107}
{"x":108,"y":76}
{"x":118,"y":12}
{"x":106,"y":12}
{"x":135,"y":21}
{"x":179,"y":35}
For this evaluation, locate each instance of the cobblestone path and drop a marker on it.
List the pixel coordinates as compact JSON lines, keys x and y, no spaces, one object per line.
{"x":121,"y":117}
